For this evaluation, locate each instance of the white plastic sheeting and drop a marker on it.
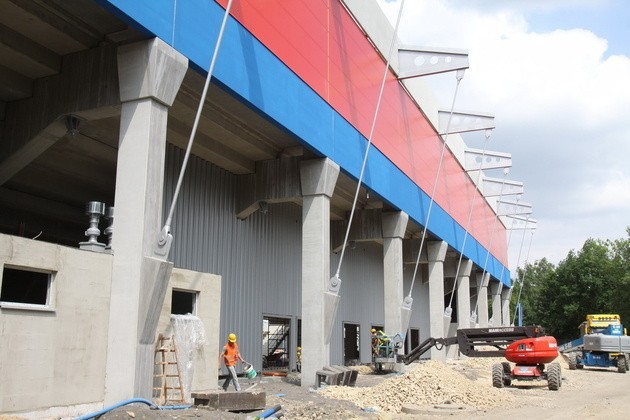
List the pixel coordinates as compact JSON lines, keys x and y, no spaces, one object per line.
{"x":190,"y":337}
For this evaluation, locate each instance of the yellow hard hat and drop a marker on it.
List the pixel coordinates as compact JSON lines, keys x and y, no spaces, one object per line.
{"x":232,"y":338}
{"x":373,"y":330}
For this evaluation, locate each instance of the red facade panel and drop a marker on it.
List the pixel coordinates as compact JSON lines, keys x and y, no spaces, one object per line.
{"x":320,"y":42}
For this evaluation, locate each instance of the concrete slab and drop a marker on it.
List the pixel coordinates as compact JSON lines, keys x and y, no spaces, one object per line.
{"x":231,"y":401}
{"x":329,"y":377}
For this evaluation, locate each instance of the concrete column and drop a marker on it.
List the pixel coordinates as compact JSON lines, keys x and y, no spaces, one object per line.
{"x":482,"y":298}
{"x":506,"y":294}
{"x":394,"y":226}
{"x":150,"y":73}
{"x":436,"y":253}
{"x":463,"y":295}
{"x":495,"y":290}
{"x":318,"y":179}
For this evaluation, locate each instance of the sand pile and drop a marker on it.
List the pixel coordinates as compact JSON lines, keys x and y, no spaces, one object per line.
{"x":429,"y":383}
{"x":363,"y":369}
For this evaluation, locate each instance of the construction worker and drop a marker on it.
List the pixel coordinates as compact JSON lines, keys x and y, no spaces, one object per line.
{"x":375,"y":343}
{"x":379,"y":343}
{"x":231,"y":356}
{"x":376,"y":348}
{"x":299,"y":359}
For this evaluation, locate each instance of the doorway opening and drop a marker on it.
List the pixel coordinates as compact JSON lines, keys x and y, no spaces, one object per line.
{"x":351,"y":344}
{"x":412,"y":340}
{"x":298,"y":352}
{"x":276,"y":343}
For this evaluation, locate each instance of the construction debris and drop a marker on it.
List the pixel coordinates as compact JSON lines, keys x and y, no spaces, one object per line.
{"x":230,"y":401}
{"x":430,"y":383}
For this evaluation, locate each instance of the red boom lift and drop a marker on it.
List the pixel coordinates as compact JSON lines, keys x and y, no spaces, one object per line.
{"x":528,"y":347}
{"x":530,"y":356}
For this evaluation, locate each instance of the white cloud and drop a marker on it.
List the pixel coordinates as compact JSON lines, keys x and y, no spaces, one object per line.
{"x":607,"y":195}
{"x":561,"y":107}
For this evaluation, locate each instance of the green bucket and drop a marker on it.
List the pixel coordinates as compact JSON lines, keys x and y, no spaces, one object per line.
{"x":249,"y":371}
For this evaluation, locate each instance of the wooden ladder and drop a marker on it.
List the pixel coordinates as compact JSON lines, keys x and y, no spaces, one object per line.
{"x":167,"y":381}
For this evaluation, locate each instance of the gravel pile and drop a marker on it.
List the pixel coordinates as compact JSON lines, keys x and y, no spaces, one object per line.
{"x":428,"y":384}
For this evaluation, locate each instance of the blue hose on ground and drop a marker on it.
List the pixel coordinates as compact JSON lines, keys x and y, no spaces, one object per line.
{"x":267,"y":413}
{"x":131,"y":401}
{"x":173,"y":407}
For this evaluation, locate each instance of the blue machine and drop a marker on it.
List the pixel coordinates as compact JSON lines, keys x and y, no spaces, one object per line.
{"x":603,"y":344}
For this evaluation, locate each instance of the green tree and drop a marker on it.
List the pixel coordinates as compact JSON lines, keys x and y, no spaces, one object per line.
{"x":584,"y":284}
{"x":621,"y":271}
{"x":527,"y":289}
{"x":594,"y":280}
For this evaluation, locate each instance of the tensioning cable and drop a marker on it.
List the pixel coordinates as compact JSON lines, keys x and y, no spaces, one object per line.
{"x":165,"y":238}
{"x":483,"y":274}
{"x":518,"y":300}
{"x":448,"y":310}
{"x":459,"y":76}
{"x":367,"y":150}
{"x":506,"y":171}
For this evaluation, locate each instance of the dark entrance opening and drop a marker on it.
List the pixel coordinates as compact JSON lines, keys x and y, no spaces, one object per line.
{"x":276,"y":343}
{"x":351,"y":352}
{"x":412,"y":340}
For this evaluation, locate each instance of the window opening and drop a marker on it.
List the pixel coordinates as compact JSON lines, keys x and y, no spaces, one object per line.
{"x":25,"y":286}
{"x":183,"y":302}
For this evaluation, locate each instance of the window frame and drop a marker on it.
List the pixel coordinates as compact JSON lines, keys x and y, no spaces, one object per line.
{"x":195,"y":298}
{"x":49,"y":306}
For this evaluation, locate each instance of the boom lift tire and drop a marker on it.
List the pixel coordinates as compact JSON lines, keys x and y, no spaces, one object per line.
{"x":572,"y":360}
{"x":497,"y":375}
{"x":507,"y":373}
{"x":554,"y":376}
{"x":622,"y":367}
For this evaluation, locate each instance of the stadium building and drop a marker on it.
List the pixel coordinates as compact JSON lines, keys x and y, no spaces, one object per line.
{"x":326,"y":193}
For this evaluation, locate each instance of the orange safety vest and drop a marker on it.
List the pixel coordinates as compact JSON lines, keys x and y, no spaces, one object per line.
{"x":230,"y":354}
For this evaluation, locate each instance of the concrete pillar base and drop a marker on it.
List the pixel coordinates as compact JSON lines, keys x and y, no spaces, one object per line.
{"x":394,"y":226}
{"x":463,"y":295}
{"x":318,"y":179}
{"x":436,"y":252}
{"x":482,"y":280}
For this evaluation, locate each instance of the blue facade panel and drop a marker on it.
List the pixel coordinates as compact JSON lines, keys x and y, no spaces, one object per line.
{"x":250,"y":71}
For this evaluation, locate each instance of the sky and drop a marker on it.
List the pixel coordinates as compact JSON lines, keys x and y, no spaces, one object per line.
{"x":556,"y":77}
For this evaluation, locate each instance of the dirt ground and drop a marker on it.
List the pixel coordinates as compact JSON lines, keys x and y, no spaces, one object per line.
{"x":586,"y":393}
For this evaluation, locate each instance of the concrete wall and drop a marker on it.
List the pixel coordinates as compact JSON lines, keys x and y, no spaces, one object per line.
{"x":55,"y":356}
{"x":208,"y":308}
